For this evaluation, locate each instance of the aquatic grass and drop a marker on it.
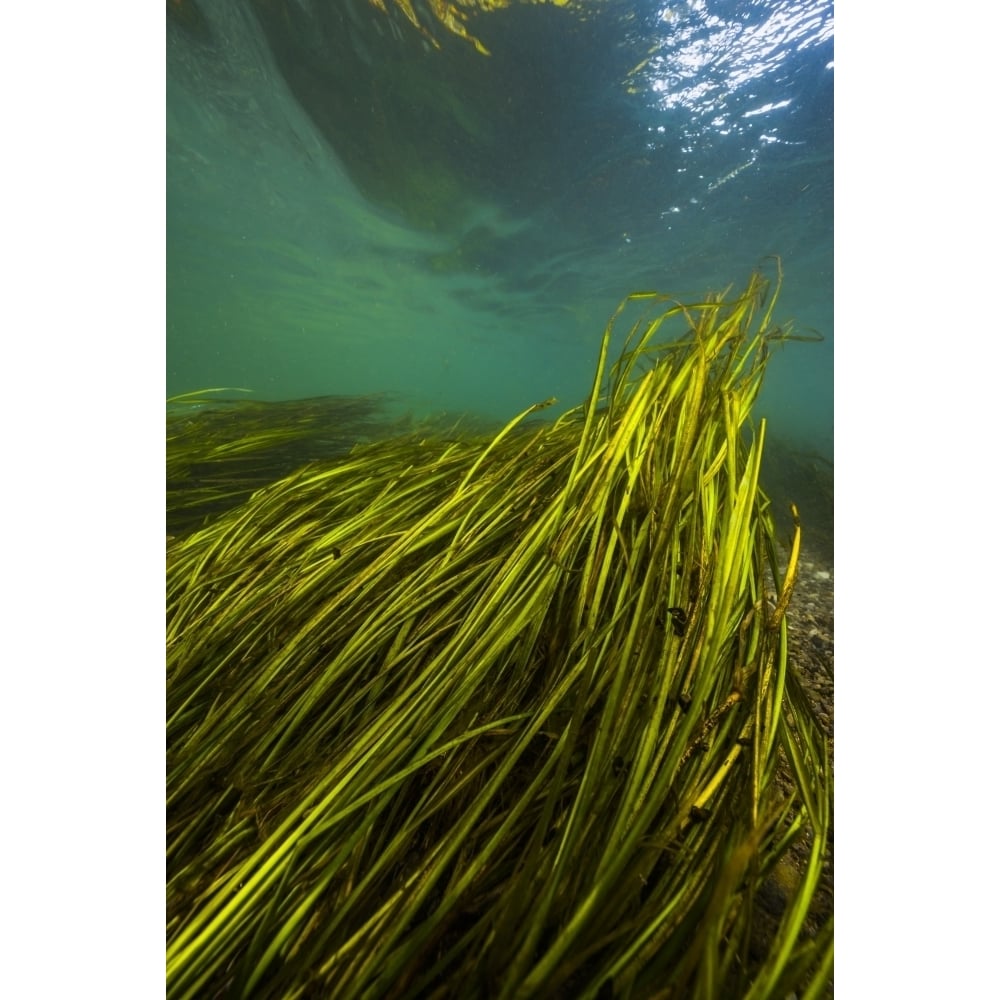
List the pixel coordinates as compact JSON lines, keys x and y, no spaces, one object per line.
{"x":505,"y":711}
{"x":221,"y":448}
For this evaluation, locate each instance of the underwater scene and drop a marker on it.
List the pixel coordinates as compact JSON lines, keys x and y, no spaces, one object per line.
{"x":499,"y":499}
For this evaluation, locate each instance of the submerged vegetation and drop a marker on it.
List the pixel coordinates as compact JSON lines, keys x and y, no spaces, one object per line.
{"x":220,"y":449}
{"x":501,"y":716}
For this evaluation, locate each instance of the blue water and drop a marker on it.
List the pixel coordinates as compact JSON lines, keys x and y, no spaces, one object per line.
{"x":358,"y":204}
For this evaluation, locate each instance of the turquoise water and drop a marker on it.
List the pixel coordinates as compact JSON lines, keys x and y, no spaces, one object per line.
{"x":355,"y":205}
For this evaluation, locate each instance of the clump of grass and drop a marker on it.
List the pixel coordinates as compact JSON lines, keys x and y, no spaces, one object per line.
{"x":221,"y":448}
{"x":502,"y":715}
